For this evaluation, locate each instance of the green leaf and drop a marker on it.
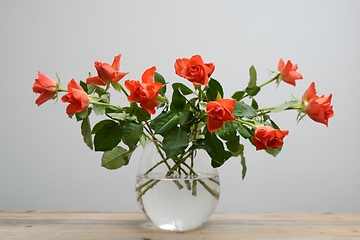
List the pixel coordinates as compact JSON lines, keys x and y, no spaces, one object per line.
{"x":273,"y":124}
{"x":159,"y":78}
{"x":192,"y":104}
{"x":117,"y":115}
{"x":198,"y":144}
{"x":108,"y":136}
{"x":253,"y":77}
{"x":252,"y":91}
{"x":131,"y":133}
{"x":214,"y":88}
{"x":284,"y":106}
{"x":175,"y":141}
{"x":141,"y":114}
{"x":185,"y":117}
{"x":273,"y":151}
{"x":84,"y":86}
{"x":98,"y":109}
{"x":243,"y":163}
{"x":228,"y":132}
{"x":254,"y":104}
{"x":162,"y":123}
{"x":86,"y":132}
{"x":99,"y":90}
{"x":105,"y":98}
{"x":238,"y":95}
{"x":234,"y":146}
{"x":91,"y":88}
{"x":183,"y":89}
{"x":99,"y":125}
{"x":244,"y":131}
{"x":115,"y":158}
{"x":178,"y":101}
{"x":215,"y":148}
{"x":241,"y":109}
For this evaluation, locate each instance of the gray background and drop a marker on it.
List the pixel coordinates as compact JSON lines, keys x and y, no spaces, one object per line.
{"x":44,"y":164}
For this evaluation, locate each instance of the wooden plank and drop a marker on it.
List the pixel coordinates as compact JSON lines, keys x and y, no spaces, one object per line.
{"x":114,"y":225}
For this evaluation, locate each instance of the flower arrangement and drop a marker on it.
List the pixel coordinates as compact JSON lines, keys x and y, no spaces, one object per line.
{"x":196,"y":117}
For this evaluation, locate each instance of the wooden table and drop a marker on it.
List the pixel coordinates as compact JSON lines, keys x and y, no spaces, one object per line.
{"x":115,"y":225}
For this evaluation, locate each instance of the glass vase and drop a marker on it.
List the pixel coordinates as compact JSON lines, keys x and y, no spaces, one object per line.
{"x":176,"y":194}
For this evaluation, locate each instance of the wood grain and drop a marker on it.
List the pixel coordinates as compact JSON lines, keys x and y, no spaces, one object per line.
{"x":114,"y":225}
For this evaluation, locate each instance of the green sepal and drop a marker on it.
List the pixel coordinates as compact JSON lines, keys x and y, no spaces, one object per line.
{"x":273,"y":151}
{"x":108,"y":136}
{"x":116,"y":158}
{"x":82,"y":115}
{"x":116,"y":86}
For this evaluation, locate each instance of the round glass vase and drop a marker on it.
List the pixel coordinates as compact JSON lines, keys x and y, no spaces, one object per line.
{"x":176,"y":194}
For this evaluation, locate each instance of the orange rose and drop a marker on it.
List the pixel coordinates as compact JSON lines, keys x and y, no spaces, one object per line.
{"x":107,"y":73}
{"x":194,"y":69}
{"x":318,"y":108}
{"x":145,"y":92}
{"x":288,"y":72}
{"x":46,"y":87}
{"x":77,"y":97}
{"x":268,"y":137}
{"x":219,"y":112}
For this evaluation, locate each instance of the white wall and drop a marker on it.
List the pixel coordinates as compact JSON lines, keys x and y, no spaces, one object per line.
{"x":44,"y":164}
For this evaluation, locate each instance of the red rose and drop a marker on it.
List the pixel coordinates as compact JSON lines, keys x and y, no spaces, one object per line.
{"x":268,"y":137}
{"x":194,"y":69}
{"x":219,"y":112}
{"x":77,"y":97}
{"x":288,"y":72}
{"x":318,"y":108}
{"x":107,"y":73}
{"x":46,"y":87}
{"x":145,"y":92}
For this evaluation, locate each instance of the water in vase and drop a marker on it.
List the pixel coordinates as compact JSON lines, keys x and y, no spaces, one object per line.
{"x":178,"y":204}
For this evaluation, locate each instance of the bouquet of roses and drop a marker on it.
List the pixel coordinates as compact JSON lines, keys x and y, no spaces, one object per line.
{"x":197,"y":117}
